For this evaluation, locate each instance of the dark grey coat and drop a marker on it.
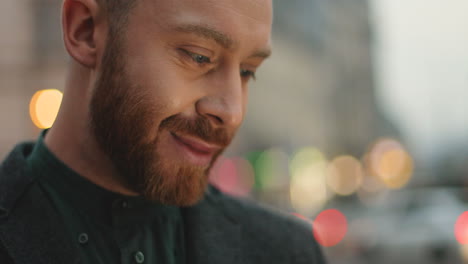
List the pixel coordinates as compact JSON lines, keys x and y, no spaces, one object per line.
{"x":219,"y":229}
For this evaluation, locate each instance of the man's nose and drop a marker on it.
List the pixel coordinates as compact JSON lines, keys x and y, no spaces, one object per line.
{"x":224,"y":102}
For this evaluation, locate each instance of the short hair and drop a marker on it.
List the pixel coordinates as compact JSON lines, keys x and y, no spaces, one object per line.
{"x":117,"y":12}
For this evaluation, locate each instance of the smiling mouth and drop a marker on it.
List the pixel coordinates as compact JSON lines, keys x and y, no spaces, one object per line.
{"x":194,"y":149}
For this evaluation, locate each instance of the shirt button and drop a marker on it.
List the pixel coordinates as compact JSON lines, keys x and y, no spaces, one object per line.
{"x":139,"y":257}
{"x":125,"y":204}
{"x":83,"y":238}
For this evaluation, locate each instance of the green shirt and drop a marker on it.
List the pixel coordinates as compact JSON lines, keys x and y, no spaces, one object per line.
{"x":108,"y":227}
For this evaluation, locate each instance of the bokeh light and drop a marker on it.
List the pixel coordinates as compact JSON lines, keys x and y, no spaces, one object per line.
{"x":272,"y":169}
{"x":44,"y":107}
{"x":372,"y":186}
{"x":461,"y":229}
{"x":234,"y":176}
{"x":395,"y":168}
{"x":330,"y":227}
{"x":344,"y":175}
{"x":390,"y":163}
{"x":304,"y":157}
{"x":253,"y":157}
{"x":308,"y":191}
{"x":370,"y":182}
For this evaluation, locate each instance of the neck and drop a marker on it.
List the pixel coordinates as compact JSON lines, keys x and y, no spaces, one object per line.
{"x":71,"y":140}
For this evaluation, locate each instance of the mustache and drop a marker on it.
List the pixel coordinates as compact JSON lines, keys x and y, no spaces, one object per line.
{"x":200,"y":127}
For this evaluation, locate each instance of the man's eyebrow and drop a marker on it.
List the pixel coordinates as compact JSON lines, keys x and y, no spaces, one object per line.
{"x":263,"y":53}
{"x":207,"y":32}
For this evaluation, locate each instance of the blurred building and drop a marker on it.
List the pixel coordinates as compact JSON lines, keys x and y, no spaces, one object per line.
{"x":319,"y":84}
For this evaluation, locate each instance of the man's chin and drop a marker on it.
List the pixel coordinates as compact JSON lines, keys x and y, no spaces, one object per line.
{"x":183,"y":187}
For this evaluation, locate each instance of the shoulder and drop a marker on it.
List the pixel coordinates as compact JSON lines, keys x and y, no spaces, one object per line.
{"x":13,"y":177}
{"x":14,"y":183}
{"x":271,"y":228}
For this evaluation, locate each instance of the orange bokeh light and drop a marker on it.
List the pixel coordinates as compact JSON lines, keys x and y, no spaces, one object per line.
{"x":44,"y":107}
{"x":390,"y":162}
{"x":330,"y":227}
{"x":344,"y":175}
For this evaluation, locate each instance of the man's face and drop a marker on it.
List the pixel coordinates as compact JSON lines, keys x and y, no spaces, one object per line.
{"x":172,"y":91}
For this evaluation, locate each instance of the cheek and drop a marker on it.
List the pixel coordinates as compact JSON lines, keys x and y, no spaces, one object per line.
{"x":162,"y":86}
{"x":169,"y":86}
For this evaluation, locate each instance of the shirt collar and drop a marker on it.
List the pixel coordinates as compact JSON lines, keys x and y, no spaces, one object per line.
{"x":90,"y":199}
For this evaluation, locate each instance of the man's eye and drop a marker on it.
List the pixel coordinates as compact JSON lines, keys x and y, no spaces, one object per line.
{"x":247,"y":74}
{"x":200,"y":59}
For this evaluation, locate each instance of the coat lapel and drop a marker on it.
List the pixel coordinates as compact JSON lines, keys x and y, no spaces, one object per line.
{"x":211,"y":236}
{"x":31,"y":232}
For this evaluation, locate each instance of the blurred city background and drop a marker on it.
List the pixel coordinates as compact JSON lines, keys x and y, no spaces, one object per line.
{"x":358,"y":124}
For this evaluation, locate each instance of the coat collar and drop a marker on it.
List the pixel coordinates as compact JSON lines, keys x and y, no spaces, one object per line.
{"x":32,"y":233}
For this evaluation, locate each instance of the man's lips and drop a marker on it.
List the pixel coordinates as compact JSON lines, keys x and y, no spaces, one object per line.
{"x":194,"y":150}
{"x":196,"y":145}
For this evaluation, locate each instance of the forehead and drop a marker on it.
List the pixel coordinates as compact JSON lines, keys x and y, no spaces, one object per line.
{"x":241,"y":19}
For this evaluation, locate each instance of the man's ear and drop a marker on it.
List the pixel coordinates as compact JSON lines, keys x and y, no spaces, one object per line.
{"x":79,"y":19}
